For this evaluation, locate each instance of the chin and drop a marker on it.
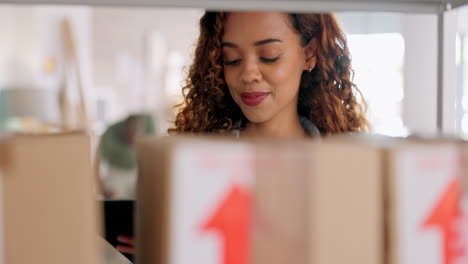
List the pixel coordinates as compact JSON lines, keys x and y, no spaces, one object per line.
{"x":257,"y":117}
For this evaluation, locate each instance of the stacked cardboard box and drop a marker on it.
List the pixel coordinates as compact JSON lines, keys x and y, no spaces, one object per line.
{"x":425,"y":216}
{"x":342,"y":200}
{"x":48,"y":212}
{"x":222,"y":201}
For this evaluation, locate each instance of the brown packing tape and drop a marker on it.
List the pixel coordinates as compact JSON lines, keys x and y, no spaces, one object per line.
{"x":463,"y":164}
{"x":54,"y":134}
{"x":152,"y":239}
{"x":4,"y":156}
{"x":388,"y":207}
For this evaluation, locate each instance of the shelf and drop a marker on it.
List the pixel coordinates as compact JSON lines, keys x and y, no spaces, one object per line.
{"x":408,"y":6}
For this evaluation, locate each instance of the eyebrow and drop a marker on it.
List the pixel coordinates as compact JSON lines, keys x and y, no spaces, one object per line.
{"x":257,"y":43}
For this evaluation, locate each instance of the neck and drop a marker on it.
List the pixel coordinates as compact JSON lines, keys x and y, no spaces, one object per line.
{"x":281,"y":126}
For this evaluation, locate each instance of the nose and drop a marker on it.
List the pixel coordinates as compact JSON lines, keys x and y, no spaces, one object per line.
{"x":250,"y":72}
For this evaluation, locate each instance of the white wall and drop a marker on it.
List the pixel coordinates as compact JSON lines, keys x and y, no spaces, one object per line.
{"x":47,"y":32}
{"x":420,"y":69}
{"x":419,"y":110}
{"x":121,"y":37}
{"x":421,"y":72}
{"x":17,"y":47}
{"x":463,"y":19}
{"x":31,"y":36}
{"x":369,"y":23}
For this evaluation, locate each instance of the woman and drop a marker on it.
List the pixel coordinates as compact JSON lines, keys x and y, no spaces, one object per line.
{"x":269,"y":74}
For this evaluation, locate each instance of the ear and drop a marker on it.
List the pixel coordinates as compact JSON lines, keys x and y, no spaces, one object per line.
{"x":310,"y":55}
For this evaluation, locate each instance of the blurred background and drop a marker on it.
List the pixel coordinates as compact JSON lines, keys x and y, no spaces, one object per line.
{"x":121,"y":61}
{"x":118,"y":72}
{"x":92,"y":66}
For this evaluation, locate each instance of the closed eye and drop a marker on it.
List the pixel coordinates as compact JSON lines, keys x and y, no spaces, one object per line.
{"x":265,"y":60}
{"x":269,"y":60}
{"x":231,"y":62}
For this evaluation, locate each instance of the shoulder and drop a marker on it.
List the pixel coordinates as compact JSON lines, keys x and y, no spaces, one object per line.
{"x":309,"y":127}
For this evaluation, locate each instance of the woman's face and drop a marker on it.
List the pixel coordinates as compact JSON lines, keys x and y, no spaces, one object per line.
{"x":263,"y":63}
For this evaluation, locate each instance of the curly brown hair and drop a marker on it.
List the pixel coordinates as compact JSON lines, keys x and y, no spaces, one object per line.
{"x":327,"y":95}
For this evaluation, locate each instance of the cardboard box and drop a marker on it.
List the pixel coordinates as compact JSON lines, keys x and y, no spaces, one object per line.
{"x":425,"y":213}
{"x":222,"y":201}
{"x":339,"y":214}
{"x":47,"y":197}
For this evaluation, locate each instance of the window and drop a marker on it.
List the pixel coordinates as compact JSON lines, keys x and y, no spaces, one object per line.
{"x":379,"y":76}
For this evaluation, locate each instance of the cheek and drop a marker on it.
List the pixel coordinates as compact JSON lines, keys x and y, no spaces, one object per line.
{"x":230,"y":79}
{"x":228,"y":76}
{"x":285,"y":78}
{"x":280,"y":74}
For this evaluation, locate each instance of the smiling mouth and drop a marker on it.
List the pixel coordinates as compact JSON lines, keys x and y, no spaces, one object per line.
{"x":253,"y":98}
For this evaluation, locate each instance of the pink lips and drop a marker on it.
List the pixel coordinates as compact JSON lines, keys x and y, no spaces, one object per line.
{"x":253,"y":98}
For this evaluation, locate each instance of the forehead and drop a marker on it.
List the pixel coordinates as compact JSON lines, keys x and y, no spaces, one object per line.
{"x":254,"y":26}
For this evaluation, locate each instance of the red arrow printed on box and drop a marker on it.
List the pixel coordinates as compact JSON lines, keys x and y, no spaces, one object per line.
{"x":447,"y":217}
{"x":231,"y":220}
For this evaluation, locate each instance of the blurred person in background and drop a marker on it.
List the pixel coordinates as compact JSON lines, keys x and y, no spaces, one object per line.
{"x":269,"y":74}
{"x":118,"y":164}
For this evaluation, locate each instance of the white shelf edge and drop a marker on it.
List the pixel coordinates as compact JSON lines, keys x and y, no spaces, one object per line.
{"x":274,"y":5}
